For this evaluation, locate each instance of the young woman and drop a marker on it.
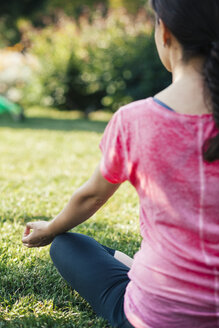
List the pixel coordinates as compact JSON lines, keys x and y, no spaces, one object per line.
{"x":168,"y":148}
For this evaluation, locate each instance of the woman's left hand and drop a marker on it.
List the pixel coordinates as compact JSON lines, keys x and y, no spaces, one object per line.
{"x":40,"y":235}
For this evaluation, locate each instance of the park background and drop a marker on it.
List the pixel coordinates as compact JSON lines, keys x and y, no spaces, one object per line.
{"x":69,"y":65}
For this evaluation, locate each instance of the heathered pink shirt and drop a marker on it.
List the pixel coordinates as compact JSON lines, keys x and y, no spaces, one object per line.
{"x":175,"y":274}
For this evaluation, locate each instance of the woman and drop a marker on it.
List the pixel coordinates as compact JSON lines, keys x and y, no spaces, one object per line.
{"x":168,"y":148}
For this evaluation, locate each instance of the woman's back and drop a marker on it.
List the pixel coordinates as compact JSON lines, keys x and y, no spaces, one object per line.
{"x":178,"y":261}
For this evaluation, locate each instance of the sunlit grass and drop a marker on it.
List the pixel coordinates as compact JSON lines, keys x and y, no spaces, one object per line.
{"x":43,"y":160}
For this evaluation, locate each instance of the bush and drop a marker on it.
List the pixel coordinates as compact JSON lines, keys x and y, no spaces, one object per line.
{"x":104,"y":64}
{"x":122,"y":63}
{"x":53,"y":46}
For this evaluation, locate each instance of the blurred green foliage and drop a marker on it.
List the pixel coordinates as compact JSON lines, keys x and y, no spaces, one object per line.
{"x":11,"y":11}
{"x":43,"y":11}
{"x":105,"y":64}
{"x":91,"y":55}
{"x":78,"y":7}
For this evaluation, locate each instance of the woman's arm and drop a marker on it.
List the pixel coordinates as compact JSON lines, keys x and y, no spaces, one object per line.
{"x":82,"y":205}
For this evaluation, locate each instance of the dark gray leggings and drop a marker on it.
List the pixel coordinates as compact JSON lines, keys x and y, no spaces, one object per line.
{"x":91,"y":269}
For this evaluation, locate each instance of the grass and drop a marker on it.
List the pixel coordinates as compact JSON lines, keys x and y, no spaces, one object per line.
{"x":43,"y":160}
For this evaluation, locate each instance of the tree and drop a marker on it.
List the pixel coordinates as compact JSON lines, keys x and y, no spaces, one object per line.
{"x":11,"y":11}
{"x":23,"y":8}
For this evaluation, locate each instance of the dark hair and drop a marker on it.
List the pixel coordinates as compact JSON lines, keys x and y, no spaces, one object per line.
{"x":195,"y":24}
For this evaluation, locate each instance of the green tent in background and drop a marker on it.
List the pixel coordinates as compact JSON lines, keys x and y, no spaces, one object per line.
{"x":15,"y":110}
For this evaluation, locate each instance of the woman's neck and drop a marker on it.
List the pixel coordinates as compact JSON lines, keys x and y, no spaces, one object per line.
{"x":188,"y":71}
{"x":186,"y":94}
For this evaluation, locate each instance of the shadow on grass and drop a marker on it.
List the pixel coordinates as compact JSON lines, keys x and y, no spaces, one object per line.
{"x":32,"y":321}
{"x":49,"y":321}
{"x":47,"y":123}
{"x":32,"y":279}
{"x":28,"y":292}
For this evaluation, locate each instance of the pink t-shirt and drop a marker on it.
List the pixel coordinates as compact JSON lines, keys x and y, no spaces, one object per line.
{"x":175,"y":274}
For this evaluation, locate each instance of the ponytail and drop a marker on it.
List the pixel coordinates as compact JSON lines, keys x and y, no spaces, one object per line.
{"x":211,"y":76}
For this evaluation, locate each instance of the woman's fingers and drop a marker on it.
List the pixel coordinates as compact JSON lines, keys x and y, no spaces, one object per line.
{"x":37,"y":244}
{"x":32,"y":245}
{"x":26,"y":238}
{"x":26,"y":231}
{"x":29,"y":226}
{"x":40,"y":235}
{"x":27,"y":234}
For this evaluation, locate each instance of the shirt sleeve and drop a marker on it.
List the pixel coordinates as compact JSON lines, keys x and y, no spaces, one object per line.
{"x":114,"y":157}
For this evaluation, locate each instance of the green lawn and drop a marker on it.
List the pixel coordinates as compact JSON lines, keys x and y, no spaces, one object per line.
{"x":42,"y":161}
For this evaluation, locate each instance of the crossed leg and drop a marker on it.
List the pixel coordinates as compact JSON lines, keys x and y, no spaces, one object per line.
{"x":95,"y":272}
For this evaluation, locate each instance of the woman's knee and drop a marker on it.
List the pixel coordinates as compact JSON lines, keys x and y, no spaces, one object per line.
{"x":58,"y":246}
{"x":67,"y":245}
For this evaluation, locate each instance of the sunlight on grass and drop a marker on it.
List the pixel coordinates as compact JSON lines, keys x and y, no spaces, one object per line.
{"x":43,"y":160}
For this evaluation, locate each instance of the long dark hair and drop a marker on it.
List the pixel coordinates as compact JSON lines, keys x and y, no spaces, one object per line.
{"x":195,"y":24}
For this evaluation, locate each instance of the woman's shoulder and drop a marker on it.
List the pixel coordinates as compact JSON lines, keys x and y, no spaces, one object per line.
{"x":144,"y":110}
{"x":159,"y":108}
{"x":136,"y":109}
{"x":137,"y":105}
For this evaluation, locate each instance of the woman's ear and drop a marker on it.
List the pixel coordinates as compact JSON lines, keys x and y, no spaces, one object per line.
{"x":166,"y":35}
